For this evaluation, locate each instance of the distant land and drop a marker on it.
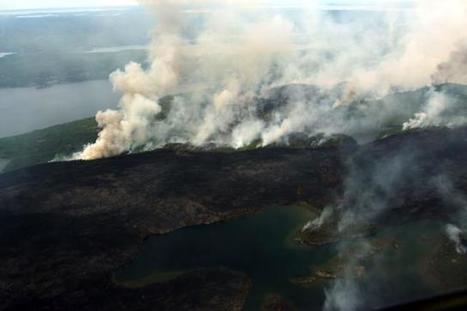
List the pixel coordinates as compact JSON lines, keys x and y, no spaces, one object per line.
{"x":43,"y":69}
{"x":45,"y":47}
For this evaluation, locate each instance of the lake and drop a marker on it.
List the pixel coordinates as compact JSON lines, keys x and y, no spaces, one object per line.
{"x":25,"y":109}
{"x":263,"y":246}
{"x":258,"y":245}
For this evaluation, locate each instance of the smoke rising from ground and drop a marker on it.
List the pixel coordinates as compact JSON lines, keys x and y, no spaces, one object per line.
{"x":455,"y":235}
{"x":228,"y":60}
{"x":388,"y":188}
{"x":371,"y":189}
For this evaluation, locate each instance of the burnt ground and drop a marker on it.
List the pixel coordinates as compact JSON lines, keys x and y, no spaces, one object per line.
{"x":65,"y":227}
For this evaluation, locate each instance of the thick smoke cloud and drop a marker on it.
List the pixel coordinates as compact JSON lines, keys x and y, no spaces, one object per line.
{"x":226,"y":58}
{"x":454,"y":70}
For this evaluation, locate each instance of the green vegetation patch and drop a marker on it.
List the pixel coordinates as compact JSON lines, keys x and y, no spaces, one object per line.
{"x":44,"y":145}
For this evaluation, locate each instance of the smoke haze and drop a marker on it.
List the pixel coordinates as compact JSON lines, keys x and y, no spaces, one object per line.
{"x":230,"y":60}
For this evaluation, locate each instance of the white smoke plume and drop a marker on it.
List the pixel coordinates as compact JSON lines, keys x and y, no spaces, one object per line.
{"x":229,"y":57}
{"x":433,"y":36}
{"x":319,"y":221}
{"x":131,"y":126}
{"x":455,"y":235}
{"x":431,"y":114}
{"x":344,"y":295}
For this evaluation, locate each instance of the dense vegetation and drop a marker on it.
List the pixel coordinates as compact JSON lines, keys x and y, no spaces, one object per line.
{"x":43,"y":145}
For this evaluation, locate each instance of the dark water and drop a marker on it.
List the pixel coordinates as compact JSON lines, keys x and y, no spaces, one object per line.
{"x":260,"y":246}
{"x":263,"y":247}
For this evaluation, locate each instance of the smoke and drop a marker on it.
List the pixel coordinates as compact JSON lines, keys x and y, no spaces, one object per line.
{"x":254,"y":77}
{"x":456,"y":236}
{"x":454,"y":70}
{"x":319,"y":221}
{"x":372,"y":188}
{"x":398,"y":185}
{"x":455,"y":198}
{"x":433,"y":36}
{"x":132,"y":125}
{"x":344,"y":295}
{"x":431,"y":114}
{"x":228,"y":61}
{"x":439,"y":110}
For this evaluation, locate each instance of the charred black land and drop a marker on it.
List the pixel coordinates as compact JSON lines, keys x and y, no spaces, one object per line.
{"x":65,"y":227}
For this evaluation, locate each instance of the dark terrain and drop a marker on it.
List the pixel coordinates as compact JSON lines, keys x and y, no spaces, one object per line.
{"x":65,"y":227}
